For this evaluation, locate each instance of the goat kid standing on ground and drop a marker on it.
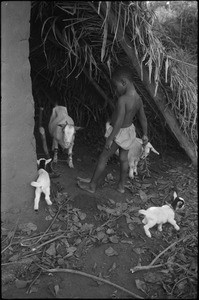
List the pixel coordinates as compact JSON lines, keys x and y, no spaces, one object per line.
{"x":42,"y":184}
{"x":161,"y":215}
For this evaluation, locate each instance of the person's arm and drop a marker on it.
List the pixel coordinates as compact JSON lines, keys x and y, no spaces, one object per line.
{"x":143,"y":122}
{"x":120,"y":112}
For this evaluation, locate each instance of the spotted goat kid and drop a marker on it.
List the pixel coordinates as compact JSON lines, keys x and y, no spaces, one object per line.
{"x":42,"y":184}
{"x":162,"y":215}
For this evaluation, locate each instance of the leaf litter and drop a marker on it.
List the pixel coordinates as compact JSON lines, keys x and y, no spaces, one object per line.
{"x":178,"y":265}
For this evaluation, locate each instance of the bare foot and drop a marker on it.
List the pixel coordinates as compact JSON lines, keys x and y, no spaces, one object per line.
{"x":83,"y":179}
{"x":85,"y":186}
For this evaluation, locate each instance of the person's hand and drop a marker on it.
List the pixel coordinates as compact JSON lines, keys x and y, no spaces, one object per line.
{"x":145,"y":140}
{"x":108,"y":144}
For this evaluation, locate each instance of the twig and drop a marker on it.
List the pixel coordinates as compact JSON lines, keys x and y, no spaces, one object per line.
{"x":19,"y":261}
{"x":151,"y":265}
{"x":11,"y":237}
{"x":39,"y":235}
{"x":92,"y":277}
{"x":191,"y":273}
{"x":59,"y":209}
{"x":31,"y":284}
{"x":47,"y":242}
{"x":176,"y":284}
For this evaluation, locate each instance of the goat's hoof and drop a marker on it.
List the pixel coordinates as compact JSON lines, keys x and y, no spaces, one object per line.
{"x":71,"y":166}
{"x":36,"y":210}
{"x":148,"y":234}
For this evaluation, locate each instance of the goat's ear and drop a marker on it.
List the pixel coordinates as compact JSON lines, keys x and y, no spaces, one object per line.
{"x":78,"y":128}
{"x":38,"y":161}
{"x":174,"y":195}
{"x":48,"y":160}
{"x":152,"y":149}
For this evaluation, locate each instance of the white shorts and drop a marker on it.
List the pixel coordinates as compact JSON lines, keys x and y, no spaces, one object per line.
{"x":125,"y":137}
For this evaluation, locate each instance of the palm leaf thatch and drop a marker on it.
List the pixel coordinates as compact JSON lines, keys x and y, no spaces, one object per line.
{"x":92,"y":37}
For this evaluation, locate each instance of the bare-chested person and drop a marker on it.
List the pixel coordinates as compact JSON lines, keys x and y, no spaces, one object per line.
{"x":120,"y":132}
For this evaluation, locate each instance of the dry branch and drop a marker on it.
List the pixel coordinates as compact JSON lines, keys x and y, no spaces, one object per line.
{"x":92,"y":277}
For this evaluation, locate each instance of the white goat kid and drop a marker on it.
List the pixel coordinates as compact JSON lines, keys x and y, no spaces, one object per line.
{"x":62,"y":129}
{"x":137,"y":152}
{"x":42,"y":184}
{"x":162,"y":215}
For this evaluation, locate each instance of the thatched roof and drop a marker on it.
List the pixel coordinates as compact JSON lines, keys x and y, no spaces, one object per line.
{"x":80,"y":39}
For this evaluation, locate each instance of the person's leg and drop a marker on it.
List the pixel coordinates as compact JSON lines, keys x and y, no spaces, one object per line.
{"x":101,"y":165}
{"x":123,"y":169}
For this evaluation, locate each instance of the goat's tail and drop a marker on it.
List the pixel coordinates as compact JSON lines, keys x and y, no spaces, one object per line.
{"x":142,"y":211}
{"x":36,"y":184}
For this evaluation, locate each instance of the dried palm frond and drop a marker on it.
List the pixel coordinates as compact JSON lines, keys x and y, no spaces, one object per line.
{"x":77,"y":36}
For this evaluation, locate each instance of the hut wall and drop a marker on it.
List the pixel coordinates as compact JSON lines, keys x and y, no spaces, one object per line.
{"x":18,"y":159}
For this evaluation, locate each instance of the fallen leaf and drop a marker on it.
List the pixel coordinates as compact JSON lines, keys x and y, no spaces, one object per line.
{"x":111,"y":201}
{"x":109,"y":176}
{"x":14,"y":257}
{"x":48,"y":218}
{"x":143,"y":196}
{"x":100,"y":235}
{"x":78,"y":241}
{"x":141,"y":285}
{"x":81,"y":215}
{"x":33,"y":289}
{"x":136,"y":220}
{"x":112,"y":268}
{"x":182,"y":285}
{"x":27,"y":260}
{"x":51,"y":250}
{"x":110,"y":231}
{"x":138,"y":250}
{"x":56,"y":288}
{"x":27,"y":227}
{"x":21,"y":284}
{"x":131,"y":227}
{"x":110,"y":252}
{"x":60,"y":261}
{"x":114,"y":239}
{"x":105,"y":240}
{"x":146,"y":185}
{"x":71,"y":249}
{"x":134,"y":208}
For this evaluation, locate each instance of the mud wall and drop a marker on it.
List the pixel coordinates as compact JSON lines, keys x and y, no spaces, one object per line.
{"x":18,"y":159}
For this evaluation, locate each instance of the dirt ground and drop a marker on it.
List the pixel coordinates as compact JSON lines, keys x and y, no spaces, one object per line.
{"x":110,"y":251}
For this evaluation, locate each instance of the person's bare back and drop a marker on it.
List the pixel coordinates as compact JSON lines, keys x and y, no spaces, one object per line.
{"x":132,"y":104}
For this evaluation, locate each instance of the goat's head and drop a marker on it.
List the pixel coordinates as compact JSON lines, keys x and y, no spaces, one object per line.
{"x":147,"y":149}
{"x":177,"y":202}
{"x":42,"y":163}
{"x":68,"y":134}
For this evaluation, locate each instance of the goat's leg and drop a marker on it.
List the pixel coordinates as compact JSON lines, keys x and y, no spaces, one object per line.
{"x":37,"y":198}
{"x":147,"y":226}
{"x":135,"y":167}
{"x":55,"y":149}
{"x":47,"y":196}
{"x":173,"y":222}
{"x":131,"y":172}
{"x":160,"y":227}
{"x":70,"y":156}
